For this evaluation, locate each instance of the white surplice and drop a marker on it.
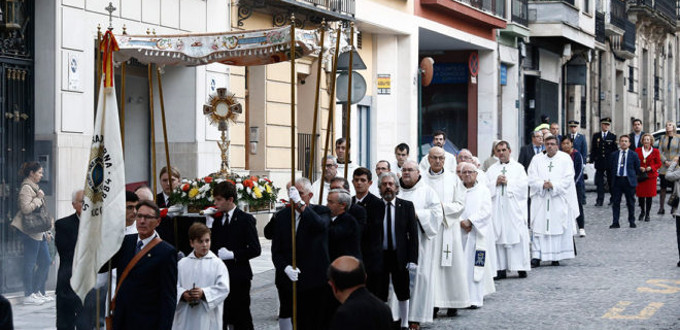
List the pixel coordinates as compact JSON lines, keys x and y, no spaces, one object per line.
{"x":316,"y":188}
{"x":478,"y":244}
{"x":450,"y":163}
{"x":553,"y":211}
{"x":210,"y":274}
{"x":510,"y":216}
{"x":429,"y":214}
{"x":450,"y":278}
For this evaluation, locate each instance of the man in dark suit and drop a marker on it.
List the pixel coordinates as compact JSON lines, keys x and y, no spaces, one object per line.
{"x":579,"y":139}
{"x":235,"y":241}
{"x":555,"y":131}
{"x":147,"y":298}
{"x":311,"y":241}
{"x":626,"y":164}
{"x":356,"y":211}
{"x":360,"y":309}
{"x":6,"y":321}
{"x":527,"y":152}
{"x":602,"y":146}
{"x":343,"y":233}
{"x":371,"y":232}
{"x":399,"y":243}
{"x":636,"y":134}
{"x":70,"y":311}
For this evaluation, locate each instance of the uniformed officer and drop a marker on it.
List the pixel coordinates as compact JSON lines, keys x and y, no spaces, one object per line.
{"x":602,"y":145}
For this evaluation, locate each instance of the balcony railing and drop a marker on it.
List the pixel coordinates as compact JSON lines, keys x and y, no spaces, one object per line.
{"x":666,"y":8}
{"x":346,"y":7}
{"x":617,"y":13}
{"x":494,"y":7}
{"x":571,"y":2}
{"x":599,"y":27}
{"x":629,"y":37}
{"x":520,"y":12}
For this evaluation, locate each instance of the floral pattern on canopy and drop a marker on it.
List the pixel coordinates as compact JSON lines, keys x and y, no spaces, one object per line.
{"x":239,"y":48}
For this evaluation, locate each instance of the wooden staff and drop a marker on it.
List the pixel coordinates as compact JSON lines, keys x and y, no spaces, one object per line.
{"x":349,"y":96}
{"x":122,"y":106}
{"x":292,"y":159}
{"x":165,"y":141}
{"x":153,"y":136}
{"x":331,"y":104}
{"x":98,"y":55}
{"x":312,"y":156}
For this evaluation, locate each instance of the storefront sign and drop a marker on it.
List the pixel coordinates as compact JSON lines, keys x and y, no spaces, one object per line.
{"x":384,"y":84}
{"x":450,"y":73}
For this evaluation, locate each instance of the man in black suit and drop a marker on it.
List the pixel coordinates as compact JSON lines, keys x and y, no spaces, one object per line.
{"x":626,"y":164}
{"x":602,"y":146}
{"x":343,"y":233}
{"x":360,"y":309}
{"x":70,"y":311}
{"x":399,"y":243}
{"x":555,"y":131}
{"x":356,"y":211}
{"x":235,"y":241}
{"x":311,"y":242}
{"x":636,"y":134}
{"x":371,"y":232}
{"x":147,"y":298}
{"x":527,"y":152}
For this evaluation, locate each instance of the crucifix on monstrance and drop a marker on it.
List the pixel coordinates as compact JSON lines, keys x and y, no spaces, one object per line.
{"x":221,"y":109}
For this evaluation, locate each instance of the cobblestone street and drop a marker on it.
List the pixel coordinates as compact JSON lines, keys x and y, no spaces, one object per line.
{"x":621,"y":279}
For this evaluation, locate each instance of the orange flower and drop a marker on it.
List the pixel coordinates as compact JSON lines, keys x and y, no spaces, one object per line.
{"x":253,"y":178}
{"x":185,"y":187}
{"x":248,"y":183}
{"x":208,"y":179}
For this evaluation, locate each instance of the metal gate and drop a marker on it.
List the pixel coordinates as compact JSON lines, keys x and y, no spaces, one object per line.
{"x":16,"y":128}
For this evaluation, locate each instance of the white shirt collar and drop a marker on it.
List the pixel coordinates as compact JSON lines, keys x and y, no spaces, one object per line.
{"x":147,"y":240}
{"x":228,"y":215}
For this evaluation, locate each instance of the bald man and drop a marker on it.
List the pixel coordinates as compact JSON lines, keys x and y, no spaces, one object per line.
{"x":360,"y":309}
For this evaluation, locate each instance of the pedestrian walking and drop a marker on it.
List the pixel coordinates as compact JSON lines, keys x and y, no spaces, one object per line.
{"x":650,"y":162}
{"x":626,"y":166}
{"x":567,"y":146}
{"x":669,"y":148}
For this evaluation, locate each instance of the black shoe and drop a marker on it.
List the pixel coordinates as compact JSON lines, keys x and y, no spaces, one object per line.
{"x":451,"y":312}
{"x":661,"y":211}
{"x":434,"y":313}
{"x":473,"y":307}
{"x":642,"y":216}
{"x":535,"y":263}
{"x":522,"y":274}
{"x":614,"y":226}
{"x":555,"y":263}
{"x":598,"y":204}
{"x":678,"y":263}
{"x":632,"y":225}
{"x":647,"y":218}
{"x":501,"y":274}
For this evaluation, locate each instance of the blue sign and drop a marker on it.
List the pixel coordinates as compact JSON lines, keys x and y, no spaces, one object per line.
{"x":450,"y":73}
{"x":504,"y":74}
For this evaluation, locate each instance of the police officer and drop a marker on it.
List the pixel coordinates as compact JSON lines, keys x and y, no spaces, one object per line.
{"x":602,"y":145}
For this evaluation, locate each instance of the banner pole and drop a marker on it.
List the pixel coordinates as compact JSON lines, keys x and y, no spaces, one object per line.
{"x":153,"y":136}
{"x":331,"y":105}
{"x":312,"y":152}
{"x":292,"y":160}
{"x":348,"y":125}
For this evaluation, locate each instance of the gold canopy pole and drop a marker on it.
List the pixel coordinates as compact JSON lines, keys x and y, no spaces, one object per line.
{"x":165,"y":141}
{"x":312,"y":156}
{"x":292,"y":159}
{"x":122,"y":106}
{"x":331,"y":104}
{"x":349,"y":97}
{"x":98,"y":55}
{"x":153,"y":135}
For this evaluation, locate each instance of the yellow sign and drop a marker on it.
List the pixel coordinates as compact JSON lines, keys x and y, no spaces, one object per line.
{"x":384,"y":84}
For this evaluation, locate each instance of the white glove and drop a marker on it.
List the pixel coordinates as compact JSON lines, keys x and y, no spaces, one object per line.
{"x":225,"y":254}
{"x":294,"y":195}
{"x":208,"y":211}
{"x":411,"y":267}
{"x":291,"y":272}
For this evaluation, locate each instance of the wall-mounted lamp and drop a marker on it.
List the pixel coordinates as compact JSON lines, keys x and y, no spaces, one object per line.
{"x":254,"y":139}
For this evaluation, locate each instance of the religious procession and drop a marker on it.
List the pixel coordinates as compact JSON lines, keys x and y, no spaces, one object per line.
{"x":317,"y":164}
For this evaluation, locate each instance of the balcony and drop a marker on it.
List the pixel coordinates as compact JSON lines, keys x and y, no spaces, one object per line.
{"x":306,"y":11}
{"x":520,"y":12}
{"x":561,"y":19}
{"x":659,"y":12}
{"x":617,"y":14}
{"x":600,"y":35}
{"x":484,"y":13}
{"x":624,"y":46}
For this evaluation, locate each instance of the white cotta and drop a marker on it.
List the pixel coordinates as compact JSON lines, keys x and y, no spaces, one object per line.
{"x":429,"y":213}
{"x":450,"y":163}
{"x":316,"y":189}
{"x":210,"y":274}
{"x":480,"y":238}
{"x":553,"y":211}
{"x":450,"y":278}
{"x":509,"y":214}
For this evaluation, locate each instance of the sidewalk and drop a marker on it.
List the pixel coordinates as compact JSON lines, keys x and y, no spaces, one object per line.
{"x":39,"y":317}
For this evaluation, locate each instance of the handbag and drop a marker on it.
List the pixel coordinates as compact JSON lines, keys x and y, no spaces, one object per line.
{"x":37,"y":221}
{"x":112,"y":305}
{"x":673,"y":201}
{"x":642,"y":177}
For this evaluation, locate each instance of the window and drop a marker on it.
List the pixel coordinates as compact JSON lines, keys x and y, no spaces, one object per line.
{"x":631,"y":79}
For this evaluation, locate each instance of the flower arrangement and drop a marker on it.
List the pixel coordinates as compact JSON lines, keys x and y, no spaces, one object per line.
{"x":257,"y":192}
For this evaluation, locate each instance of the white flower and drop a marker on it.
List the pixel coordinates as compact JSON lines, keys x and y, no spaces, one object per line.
{"x":248,"y":190}
{"x":239,"y":186}
{"x":210,"y":198}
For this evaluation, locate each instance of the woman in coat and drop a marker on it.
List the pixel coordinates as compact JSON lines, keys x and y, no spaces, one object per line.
{"x":31,"y":197}
{"x":650,"y":162}
{"x":669,"y":148}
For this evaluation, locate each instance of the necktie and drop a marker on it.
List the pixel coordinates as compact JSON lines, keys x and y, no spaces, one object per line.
{"x":536,"y":150}
{"x":622,"y":162}
{"x":139,"y":247}
{"x":573,"y":136}
{"x":390,"y":244}
{"x":604,"y":135}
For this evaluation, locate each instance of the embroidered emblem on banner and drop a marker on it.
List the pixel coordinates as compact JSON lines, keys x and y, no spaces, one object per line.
{"x":480,"y":257}
{"x":97,"y":187}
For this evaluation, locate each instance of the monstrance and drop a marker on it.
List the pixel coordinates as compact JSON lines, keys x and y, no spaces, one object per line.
{"x":221,"y":109}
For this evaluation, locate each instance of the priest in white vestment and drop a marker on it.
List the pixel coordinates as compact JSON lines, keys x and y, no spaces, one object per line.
{"x":554,"y":207}
{"x":439,"y":140}
{"x":450,"y":278}
{"x":508,"y":185}
{"x":478,"y":236}
{"x":202,"y":285}
{"x":415,"y":189}
{"x":332,"y":170}
{"x":465,"y":156}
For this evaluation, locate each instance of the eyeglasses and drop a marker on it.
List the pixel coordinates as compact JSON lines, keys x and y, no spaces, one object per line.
{"x":146,"y":217}
{"x":330,"y":165}
{"x":407,"y":170}
{"x":438,"y":158}
{"x":467,"y":172}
